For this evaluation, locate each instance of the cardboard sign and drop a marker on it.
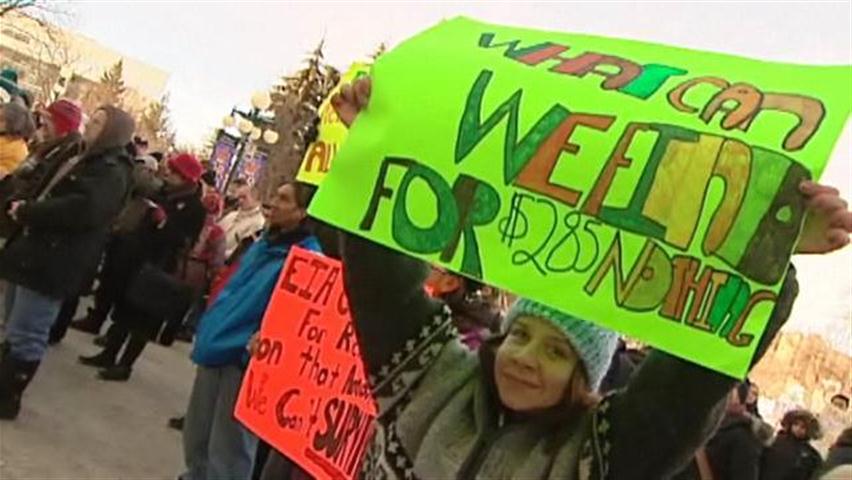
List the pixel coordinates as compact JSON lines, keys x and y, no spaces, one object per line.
{"x":305,"y":392}
{"x":650,"y":189}
{"x":332,"y":133}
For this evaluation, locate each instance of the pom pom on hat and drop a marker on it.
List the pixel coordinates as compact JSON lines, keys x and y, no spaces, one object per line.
{"x":593,"y":344}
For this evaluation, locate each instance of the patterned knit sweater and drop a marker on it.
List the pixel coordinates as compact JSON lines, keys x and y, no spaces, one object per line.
{"x":439,"y":418}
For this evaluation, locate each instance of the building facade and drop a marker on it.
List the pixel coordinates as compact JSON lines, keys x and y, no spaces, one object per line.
{"x":40,"y":51}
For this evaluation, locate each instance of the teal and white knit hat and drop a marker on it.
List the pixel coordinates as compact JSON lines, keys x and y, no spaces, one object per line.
{"x":594,"y":345}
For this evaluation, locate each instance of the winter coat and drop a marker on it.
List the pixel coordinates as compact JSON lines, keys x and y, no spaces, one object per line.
{"x":206,"y":258}
{"x":168,"y":228}
{"x":789,"y":459}
{"x":240,"y":224}
{"x":837,"y":455}
{"x":440,"y":418}
{"x":235,"y":315}
{"x":184,"y":220}
{"x":59,"y":247}
{"x":13,"y":151}
{"x":159,"y":233}
{"x":734,"y":451}
{"x":33,"y":174}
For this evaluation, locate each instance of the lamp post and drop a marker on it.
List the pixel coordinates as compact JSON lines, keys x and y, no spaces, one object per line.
{"x":250,"y":125}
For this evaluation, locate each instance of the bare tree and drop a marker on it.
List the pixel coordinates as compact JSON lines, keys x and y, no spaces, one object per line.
{"x":155,"y":125}
{"x":7,"y":6}
{"x":295,"y":102}
{"x":110,"y":89}
{"x":33,"y":23}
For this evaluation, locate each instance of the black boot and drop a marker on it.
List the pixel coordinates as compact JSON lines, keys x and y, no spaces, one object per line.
{"x":176,"y":423}
{"x":101,"y":360}
{"x":115,"y":373}
{"x":91,"y":323}
{"x":121,"y":371}
{"x":115,"y":338}
{"x":15,"y":375}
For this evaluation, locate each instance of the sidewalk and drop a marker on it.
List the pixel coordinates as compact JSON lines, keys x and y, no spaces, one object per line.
{"x":73,"y":426}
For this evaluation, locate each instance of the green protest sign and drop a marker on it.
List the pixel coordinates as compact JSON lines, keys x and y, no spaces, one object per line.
{"x":647,"y":188}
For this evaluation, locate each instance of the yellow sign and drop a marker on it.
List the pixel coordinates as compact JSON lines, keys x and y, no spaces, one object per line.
{"x":332,"y":133}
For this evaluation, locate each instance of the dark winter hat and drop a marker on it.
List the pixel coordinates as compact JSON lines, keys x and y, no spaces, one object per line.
{"x":8,"y":84}
{"x":187,"y":166}
{"x":19,"y":122}
{"x":801,"y":415}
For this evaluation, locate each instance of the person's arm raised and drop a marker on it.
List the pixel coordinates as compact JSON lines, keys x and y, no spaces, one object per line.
{"x":672,"y":405}
{"x":385,"y":288}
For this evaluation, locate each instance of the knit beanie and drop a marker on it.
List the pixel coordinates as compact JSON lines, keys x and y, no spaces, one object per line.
{"x":593,"y":344}
{"x":8,"y":83}
{"x":187,"y":166}
{"x":66,"y":116}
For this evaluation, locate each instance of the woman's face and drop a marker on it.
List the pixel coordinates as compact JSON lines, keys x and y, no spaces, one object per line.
{"x":534,"y":365}
{"x":95,"y":126}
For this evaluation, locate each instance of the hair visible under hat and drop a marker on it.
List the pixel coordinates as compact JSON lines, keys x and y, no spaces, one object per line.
{"x":594,"y":345}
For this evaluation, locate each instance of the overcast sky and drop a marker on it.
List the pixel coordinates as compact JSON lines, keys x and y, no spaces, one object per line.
{"x":218,"y":53}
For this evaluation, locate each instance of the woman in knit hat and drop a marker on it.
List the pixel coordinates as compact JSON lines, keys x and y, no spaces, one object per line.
{"x":56,"y":140}
{"x":172,"y":228}
{"x":59,"y":119}
{"x":524,"y":407}
{"x":53,"y":254}
{"x":16,"y":128}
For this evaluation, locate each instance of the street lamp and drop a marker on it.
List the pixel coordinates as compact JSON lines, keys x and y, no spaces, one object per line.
{"x":251,"y":127}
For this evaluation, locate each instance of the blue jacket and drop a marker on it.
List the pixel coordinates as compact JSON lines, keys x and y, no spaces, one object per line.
{"x":229,"y":323}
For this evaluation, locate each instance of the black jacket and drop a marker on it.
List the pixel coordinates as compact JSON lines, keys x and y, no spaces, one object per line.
{"x":185,"y":216}
{"x":734,"y":451}
{"x":33,"y":174}
{"x":789,"y":459}
{"x":150,"y":242}
{"x":160,"y":244}
{"x":837,"y":455}
{"x":60,"y":245}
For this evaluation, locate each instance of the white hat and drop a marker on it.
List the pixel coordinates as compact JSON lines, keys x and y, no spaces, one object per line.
{"x":148,"y":162}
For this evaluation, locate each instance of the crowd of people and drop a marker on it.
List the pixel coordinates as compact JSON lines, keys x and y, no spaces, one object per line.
{"x":488,"y":391}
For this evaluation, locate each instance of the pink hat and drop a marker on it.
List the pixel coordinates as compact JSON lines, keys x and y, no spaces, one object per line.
{"x":66,"y":116}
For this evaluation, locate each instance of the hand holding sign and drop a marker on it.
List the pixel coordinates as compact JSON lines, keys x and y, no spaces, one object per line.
{"x":828,"y":222}
{"x":351,"y":99}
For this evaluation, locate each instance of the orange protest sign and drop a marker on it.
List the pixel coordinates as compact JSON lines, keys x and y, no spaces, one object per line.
{"x":305,"y":392}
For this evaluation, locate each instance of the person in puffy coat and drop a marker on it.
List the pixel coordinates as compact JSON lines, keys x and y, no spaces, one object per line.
{"x":63,"y":230}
